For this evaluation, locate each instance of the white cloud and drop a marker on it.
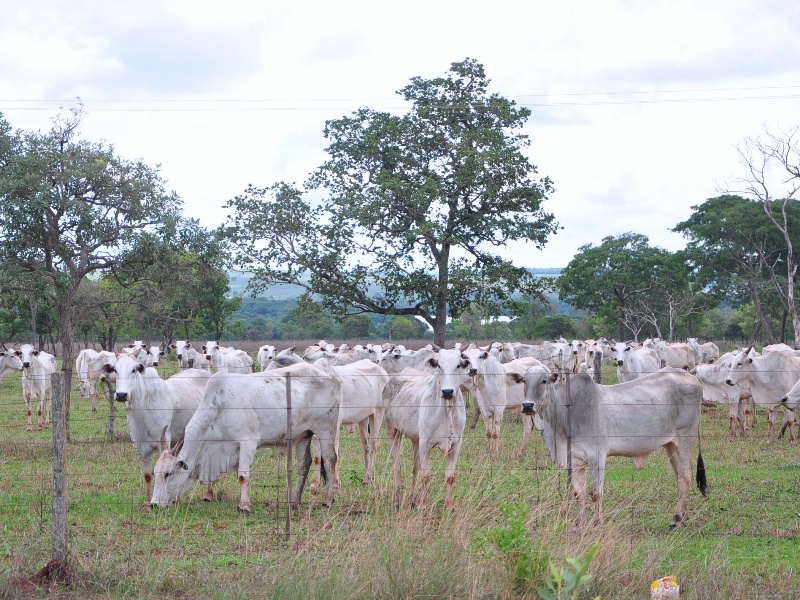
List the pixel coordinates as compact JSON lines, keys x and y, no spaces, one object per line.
{"x":223,"y":95}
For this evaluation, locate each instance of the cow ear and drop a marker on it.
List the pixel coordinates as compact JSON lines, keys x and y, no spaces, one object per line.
{"x":516,"y":377}
{"x":35,"y":353}
{"x":465,"y":364}
{"x":188,"y":345}
{"x":140,"y":368}
{"x":553,"y":377}
{"x":432,"y":362}
{"x":203,"y":347}
{"x":182,"y":465}
{"x":173,"y":346}
{"x":107,"y":368}
{"x":485,"y":355}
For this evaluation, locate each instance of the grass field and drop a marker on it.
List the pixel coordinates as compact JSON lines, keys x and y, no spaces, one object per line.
{"x":741,"y":542}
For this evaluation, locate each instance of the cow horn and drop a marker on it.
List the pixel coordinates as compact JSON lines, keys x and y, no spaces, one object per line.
{"x":164,"y":440}
{"x":179,"y":446}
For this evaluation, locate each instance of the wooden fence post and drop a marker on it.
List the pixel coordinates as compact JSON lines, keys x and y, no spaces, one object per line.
{"x":112,"y":408}
{"x":289,"y":448}
{"x":59,"y":471}
{"x":569,"y":433}
{"x":598,"y":367}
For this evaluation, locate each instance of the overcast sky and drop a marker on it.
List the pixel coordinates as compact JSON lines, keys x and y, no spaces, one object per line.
{"x":637,"y":106}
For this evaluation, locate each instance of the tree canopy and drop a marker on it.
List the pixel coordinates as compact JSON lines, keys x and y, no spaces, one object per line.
{"x":413,"y":207}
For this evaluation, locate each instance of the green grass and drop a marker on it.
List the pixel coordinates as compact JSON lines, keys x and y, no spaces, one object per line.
{"x":742,"y":542}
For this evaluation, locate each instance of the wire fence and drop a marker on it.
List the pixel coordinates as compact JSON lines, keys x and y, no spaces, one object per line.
{"x":754,"y":485}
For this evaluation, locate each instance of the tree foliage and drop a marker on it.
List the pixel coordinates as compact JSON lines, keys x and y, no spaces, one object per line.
{"x":414,"y":207}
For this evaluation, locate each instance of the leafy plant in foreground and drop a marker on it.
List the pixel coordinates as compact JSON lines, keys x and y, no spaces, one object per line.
{"x":565,"y":584}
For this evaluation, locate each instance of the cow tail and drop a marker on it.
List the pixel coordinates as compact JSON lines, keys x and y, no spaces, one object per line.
{"x":700,"y":478}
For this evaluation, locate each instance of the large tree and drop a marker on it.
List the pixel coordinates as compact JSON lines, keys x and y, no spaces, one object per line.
{"x":69,"y":208}
{"x":413,"y":207}
{"x":737,"y":252}
{"x":771,"y":173}
{"x":605,"y":279}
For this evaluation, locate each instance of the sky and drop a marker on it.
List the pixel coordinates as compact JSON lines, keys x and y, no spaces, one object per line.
{"x":637,"y":107}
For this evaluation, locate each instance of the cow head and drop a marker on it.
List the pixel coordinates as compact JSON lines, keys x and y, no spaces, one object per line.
{"x":171,"y":474}
{"x":451,"y":369}
{"x":740,"y":368}
{"x":129,"y":376}
{"x":536,"y":379}
{"x":9,"y":361}
{"x":26,"y":353}
{"x":475,"y":356}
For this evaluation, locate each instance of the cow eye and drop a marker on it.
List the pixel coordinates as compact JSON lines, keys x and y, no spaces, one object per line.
{"x":166,"y":475}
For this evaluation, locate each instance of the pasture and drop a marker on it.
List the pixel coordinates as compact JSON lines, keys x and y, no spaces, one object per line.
{"x":741,"y":542}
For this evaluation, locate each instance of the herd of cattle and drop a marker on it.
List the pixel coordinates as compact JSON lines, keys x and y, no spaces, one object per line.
{"x":213,"y":415}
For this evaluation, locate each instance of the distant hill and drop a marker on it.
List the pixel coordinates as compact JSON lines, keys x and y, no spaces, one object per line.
{"x":282,"y":291}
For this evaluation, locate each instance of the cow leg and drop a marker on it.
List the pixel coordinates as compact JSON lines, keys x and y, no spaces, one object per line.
{"x":788,"y":423}
{"x":28,"y":407}
{"x":422,"y":464}
{"x":597,"y":476}
{"x":315,"y":480}
{"x":303,"y":454}
{"x":147,"y":472}
{"x":48,"y":408}
{"x":450,"y":473}
{"x":476,"y":412}
{"x":246,"y":454}
{"x":363,"y":433}
{"x":40,"y":412}
{"x":488,"y":420}
{"x":209,"y":495}
{"x":395,"y":438}
{"x":579,"y":487}
{"x":527,"y":427}
{"x":498,"y":421}
{"x":375,"y":422}
{"x":772,"y":417}
{"x":329,"y":443}
{"x":681,"y":462}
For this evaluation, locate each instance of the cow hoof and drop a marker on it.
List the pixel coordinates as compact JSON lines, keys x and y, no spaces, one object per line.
{"x":207,"y":499}
{"x":245,"y":512}
{"x":326,"y":505}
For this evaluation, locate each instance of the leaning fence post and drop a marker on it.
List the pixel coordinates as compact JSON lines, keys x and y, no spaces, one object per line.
{"x":569,"y":432}
{"x":289,"y":447}
{"x":59,"y":470}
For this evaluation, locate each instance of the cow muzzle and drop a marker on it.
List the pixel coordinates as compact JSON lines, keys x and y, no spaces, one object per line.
{"x":26,"y":365}
{"x":121,"y":397}
{"x":729,"y":381}
{"x":447,"y":393}
{"x":528,"y":408}
{"x":620,"y":362}
{"x":785,"y":401}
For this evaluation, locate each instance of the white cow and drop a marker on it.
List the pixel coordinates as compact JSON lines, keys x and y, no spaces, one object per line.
{"x":185,"y":354}
{"x":362,"y":404}
{"x":87,"y":366}
{"x":630,"y":419}
{"x":227,"y":360}
{"x":494,"y":395}
{"x":395,"y":362}
{"x":633,"y":361}
{"x":9,"y":362}
{"x":265,"y":355}
{"x":428,"y":409}
{"x":154,"y":406}
{"x":713,"y":376}
{"x":241,"y":413}
{"x":37,"y":366}
{"x":502,"y":351}
{"x":705,"y":353}
{"x":770,"y":377}
{"x":679,"y":355}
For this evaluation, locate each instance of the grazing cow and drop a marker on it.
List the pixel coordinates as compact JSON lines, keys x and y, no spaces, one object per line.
{"x":9,"y":362}
{"x":769,"y":377}
{"x":241,"y":413}
{"x":712,"y":376}
{"x":265,"y":355}
{"x":37,"y":366}
{"x":429,"y":409}
{"x":227,"y":360}
{"x":155,"y":405}
{"x":630,"y":419}
{"x":362,"y":404}
{"x":632,"y":361}
{"x":185,"y":354}
{"x":680,"y":355}
{"x":494,"y":394}
{"x":705,"y":353}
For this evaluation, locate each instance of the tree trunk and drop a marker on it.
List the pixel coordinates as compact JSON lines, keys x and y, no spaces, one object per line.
{"x":66,"y":333}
